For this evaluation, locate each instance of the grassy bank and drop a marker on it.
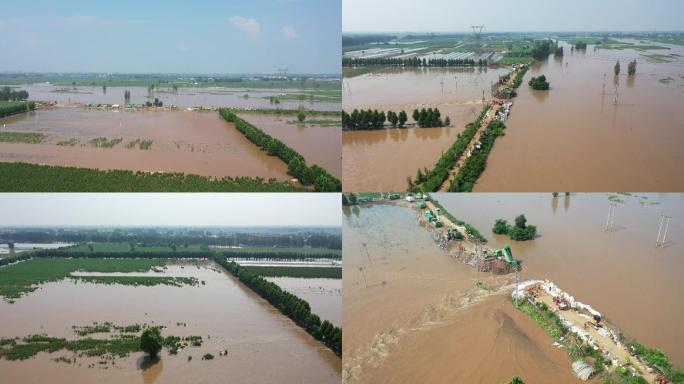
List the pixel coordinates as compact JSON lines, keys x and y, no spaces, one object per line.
{"x":297,"y":167}
{"x":302,"y":272}
{"x":24,"y":177}
{"x":289,"y":112}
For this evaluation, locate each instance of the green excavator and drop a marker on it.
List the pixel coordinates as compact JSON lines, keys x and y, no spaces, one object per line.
{"x":506,"y":254}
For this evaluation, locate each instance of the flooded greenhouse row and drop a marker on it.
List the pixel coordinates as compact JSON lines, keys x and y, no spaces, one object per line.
{"x":226,"y":314}
{"x":414,"y":312}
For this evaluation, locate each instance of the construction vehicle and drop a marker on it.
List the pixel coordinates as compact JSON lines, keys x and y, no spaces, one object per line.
{"x":506,"y":254}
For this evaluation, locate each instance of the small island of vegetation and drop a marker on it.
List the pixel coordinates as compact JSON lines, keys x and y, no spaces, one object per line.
{"x":519,"y":232}
{"x":539,"y":83}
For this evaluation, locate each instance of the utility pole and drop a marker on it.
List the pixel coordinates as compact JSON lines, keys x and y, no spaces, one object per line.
{"x":666,"y":219}
{"x":363,"y":273}
{"x":517,"y":279}
{"x":367,"y":254}
{"x":610,"y":221}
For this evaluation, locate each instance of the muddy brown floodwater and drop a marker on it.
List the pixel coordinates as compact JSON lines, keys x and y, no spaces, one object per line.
{"x":574,"y":138}
{"x":381,"y":160}
{"x":319,"y":145}
{"x":413,"y":314}
{"x":263,"y":345}
{"x":185,"y":97}
{"x":324,"y":295}
{"x":620,"y":273}
{"x":199,"y":143}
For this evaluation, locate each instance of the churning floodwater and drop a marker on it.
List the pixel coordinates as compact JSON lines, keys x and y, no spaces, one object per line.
{"x":263,"y":345}
{"x":381,"y":160}
{"x":413,"y":314}
{"x":573,"y":137}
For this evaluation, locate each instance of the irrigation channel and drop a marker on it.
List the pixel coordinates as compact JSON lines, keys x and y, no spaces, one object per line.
{"x":451,"y":323}
{"x":262,"y":344}
{"x":577,"y":125}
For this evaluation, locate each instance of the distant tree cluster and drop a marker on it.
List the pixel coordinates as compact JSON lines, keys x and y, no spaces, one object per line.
{"x":7,"y":93}
{"x":397,"y":120}
{"x":539,"y":83}
{"x":631,"y":68}
{"x":542,"y":49}
{"x":364,"y":119}
{"x":296,"y":165}
{"x":580,"y":45}
{"x":519,"y":232}
{"x":558,"y":52}
{"x":155,"y":103}
{"x":411,"y":62}
{"x":427,"y":118}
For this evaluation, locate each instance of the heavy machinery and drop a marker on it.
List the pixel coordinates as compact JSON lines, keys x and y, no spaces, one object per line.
{"x":506,"y":254}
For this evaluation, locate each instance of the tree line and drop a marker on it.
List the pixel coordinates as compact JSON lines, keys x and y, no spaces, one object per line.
{"x":7,"y":93}
{"x":149,"y":238}
{"x":431,"y":180}
{"x":296,"y":165}
{"x":290,"y":305}
{"x":11,"y":109}
{"x":427,"y":118}
{"x":474,"y":166}
{"x":270,"y":255}
{"x":411,"y":62}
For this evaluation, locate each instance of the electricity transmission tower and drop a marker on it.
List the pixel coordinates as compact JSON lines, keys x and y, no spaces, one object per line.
{"x":477,"y":31}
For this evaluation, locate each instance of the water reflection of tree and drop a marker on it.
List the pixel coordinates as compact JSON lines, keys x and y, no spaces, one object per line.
{"x":566,"y":202}
{"x":554,"y":204}
{"x":630,"y":81}
{"x":151,"y":368}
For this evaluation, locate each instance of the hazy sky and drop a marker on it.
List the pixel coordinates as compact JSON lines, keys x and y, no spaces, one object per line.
{"x":166,"y":209}
{"x":198,"y":36}
{"x":507,"y":15}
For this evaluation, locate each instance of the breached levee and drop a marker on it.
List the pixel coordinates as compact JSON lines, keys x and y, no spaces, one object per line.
{"x":595,"y":345}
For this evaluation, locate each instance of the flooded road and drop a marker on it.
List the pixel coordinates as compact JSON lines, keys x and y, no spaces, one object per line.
{"x":324,"y":295}
{"x":263,"y":345}
{"x":191,"y":142}
{"x":573,"y":137}
{"x":620,"y":272}
{"x":184,"y":97}
{"x":368,"y":155}
{"x":411,"y":312}
{"x":318,"y":144}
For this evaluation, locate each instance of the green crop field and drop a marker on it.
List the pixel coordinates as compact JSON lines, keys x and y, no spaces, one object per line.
{"x":22,"y":278}
{"x":125,"y":247}
{"x":22,"y":137}
{"x":24,"y":177}
{"x":302,"y":272}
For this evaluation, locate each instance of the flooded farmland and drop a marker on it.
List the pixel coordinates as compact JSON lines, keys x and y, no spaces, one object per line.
{"x":318,"y":144}
{"x":368,"y":155}
{"x":410,"y":311}
{"x":324,"y":295}
{"x":225,"y":313}
{"x":184,"y":97}
{"x":573,"y":136}
{"x":190,"y":142}
{"x":612,"y":271}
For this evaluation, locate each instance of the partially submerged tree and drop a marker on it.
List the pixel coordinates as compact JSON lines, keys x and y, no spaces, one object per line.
{"x":151,"y":341}
{"x":631,"y":67}
{"x":616,"y":69}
